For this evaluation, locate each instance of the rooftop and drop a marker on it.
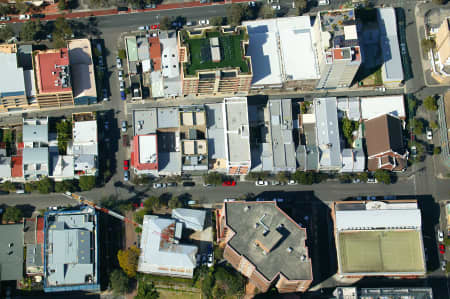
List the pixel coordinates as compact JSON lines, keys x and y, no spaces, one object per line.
{"x":384,"y":133}
{"x":145,"y":121}
{"x":231,"y":46}
{"x":159,"y":251}
{"x":283,"y":148}
{"x":82,"y":68}
{"x":375,"y":106}
{"x":145,"y":153}
{"x":52,"y":68}
{"x":379,"y":238}
{"x":84,"y":132}
{"x":237,"y":129}
{"x":379,"y":293}
{"x":327,"y":128}
{"x":71,"y":253}
{"x":392,"y":62}
{"x":36,"y":132}
{"x":276,"y":44}
{"x":131,"y":48}
{"x":269,"y":239}
{"x":11,"y":77}
{"x":11,"y":252}
{"x":192,"y":219}
{"x":340,"y":26}
{"x":215,"y":129}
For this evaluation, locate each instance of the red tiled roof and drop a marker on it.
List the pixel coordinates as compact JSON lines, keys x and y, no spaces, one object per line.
{"x":50,"y":74}
{"x":155,"y":52}
{"x":135,"y":156}
{"x":40,"y":230}
{"x":16,"y":169}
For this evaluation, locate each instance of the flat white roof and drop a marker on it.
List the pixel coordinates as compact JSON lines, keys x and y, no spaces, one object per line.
{"x":85,"y":132}
{"x":147,"y":149}
{"x":282,"y":49}
{"x":376,"y":106}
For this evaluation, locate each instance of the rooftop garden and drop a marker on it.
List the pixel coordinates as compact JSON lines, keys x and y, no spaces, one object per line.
{"x":231,"y":51}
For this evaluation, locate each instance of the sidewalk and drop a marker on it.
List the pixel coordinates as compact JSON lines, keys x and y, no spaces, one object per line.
{"x":53,"y":15}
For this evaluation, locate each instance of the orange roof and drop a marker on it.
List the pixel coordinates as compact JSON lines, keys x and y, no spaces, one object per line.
{"x":40,"y":230}
{"x":337,"y":53}
{"x":50,"y":74}
{"x":16,"y":169}
{"x":155,"y":52}
{"x":135,"y":156}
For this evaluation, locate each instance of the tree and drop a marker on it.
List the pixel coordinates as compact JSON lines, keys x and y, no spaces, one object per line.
{"x":152,"y":203}
{"x":128,"y":260}
{"x":45,"y":185}
{"x":66,"y":185}
{"x":383,"y":176}
{"x":6,"y":32}
{"x":175,"y":203}
{"x":434,"y":125}
{"x":430,"y":103}
{"x":87,"y":182}
{"x":437,"y":150}
{"x":61,"y":32}
{"x":304,"y":178}
{"x":8,"y":186}
{"x":165,"y":23}
{"x":230,"y":281}
{"x":235,"y":14}
{"x":30,"y":30}
{"x":146,"y":290}
{"x":21,"y":6}
{"x":122,"y":54}
{"x":266,"y":12}
{"x":216,"y":21}
{"x":64,"y":135}
{"x":213,"y":178}
{"x":417,"y":125}
{"x":62,"y":5}
{"x":348,"y":127}
{"x":119,"y":281}
{"x":301,"y":6}
{"x":12,"y":214}
{"x":428,"y":44}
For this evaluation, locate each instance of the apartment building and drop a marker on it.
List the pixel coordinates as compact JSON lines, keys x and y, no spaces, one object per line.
{"x":338,"y":51}
{"x":214,"y":61}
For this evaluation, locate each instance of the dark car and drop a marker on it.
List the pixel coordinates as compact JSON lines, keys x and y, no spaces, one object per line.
{"x":171,"y":184}
{"x":38,"y":16}
{"x":188,"y":184}
{"x":123,"y":95}
{"x":122,"y":8}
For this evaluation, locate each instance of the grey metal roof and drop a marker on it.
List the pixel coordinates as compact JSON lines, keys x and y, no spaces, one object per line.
{"x":215,"y":131}
{"x":84,"y":161}
{"x":73,"y":255}
{"x":35,"y":133}
{"x":327,"y":128}
{"x":142,"y":48}
{"x":5,"y":167}
{"x":192,"y":219}
{"x":11,"y":252}
{"x":34,"y":255}
{"x":168,"y":118}
{"x":145,"y":121}
{"x":283,"y":148}
{"x":392,"y":66}
{"x":169,"y":162}
{"x":37,"y":155}
{"x":24,"y":58}
{"x":282,"y":231}
{"x":11,"y":76}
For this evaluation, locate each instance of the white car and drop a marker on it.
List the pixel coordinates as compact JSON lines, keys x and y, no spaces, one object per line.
{"x":228,"y":199}
{"x":122,"y":86}
{"x":429,"y":134}
{"x":275,"y":183}
{"x":324,"y":2}
{"x":120,"y":76}
{"x":440,"y":236}
{"x":24,"y":17}
{"x":261,"y":183}
{"x":204,"y":22}
{"x":276,"y":7}
{"x":118,"y":63}
{"x":292,"y":182}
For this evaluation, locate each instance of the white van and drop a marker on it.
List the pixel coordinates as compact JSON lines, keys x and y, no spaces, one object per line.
{"x":24,"y":17}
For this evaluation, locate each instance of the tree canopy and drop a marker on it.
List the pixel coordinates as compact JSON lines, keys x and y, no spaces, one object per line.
{"x":428,"y":44}
{"x":119,"y":281}
{"x":45,"y":185}
{"x":236,"y":13}
{"x":383,"y":176}
{"x":31,"y":30}
{"x":6,"y":32}
{"x":128,"y":260}
{"x":64,"y":135}
{"x":146,"y":290}
{"x":12,"y":214}
{"x":61,"y":32}
{"x":87,"y":182}
{"x":430,"y":103}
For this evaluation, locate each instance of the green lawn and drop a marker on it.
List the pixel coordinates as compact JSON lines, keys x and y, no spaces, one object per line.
{"x":230,"y":51}
{"x":166,"y":294}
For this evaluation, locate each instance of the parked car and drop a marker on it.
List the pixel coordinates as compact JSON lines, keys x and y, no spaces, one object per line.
{"x":443,"y":265}
{"x":276,"y":7}
{"x":229,"y":183}
{"x":414,"y":151}
{"x":189,"y":23}
{"x":210,"y":260}
{"x":123,"y":95}
{"x":371,"y":198}
{"x":229,"y":199}
{"x":440,"y":236}
{"x":188,"y":184}
{"x":24,"y":17}
{"x":390,"y":197}
{"x":441,"y":248}
{"x":372,"y":180}
{"x":292,"y":182}
{"x":124,"y":126}
{"x":120,"y":75}
{"x":118,"y":62}
{"x":275,"y":183}
{"x":159,"y":185}
{"x":53,"y":208}
{"x":261,"y":183}
{"x":105,"y":95}
{"x":126,"y":175}
{"x":252,"y":4}
{"x":259,"y":199}
{"x":171,"y":184}
{"x":122,"y":86}
{"x":38,"y":16}
{"x":324,"y":2}
{"x":429,"y":134}
{"x":207,"y":185}
{"x":155,"y":26}
{"x":204,"y":22}
{"x":191,"y":202}
{"x":126,"y":165}
{"x":5,"y":18}
{"x":122,"y":9}
{"x":106,"y":125}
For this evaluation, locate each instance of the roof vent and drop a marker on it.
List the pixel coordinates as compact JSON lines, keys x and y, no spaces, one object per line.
{"x":246,"y":208}
{"x":289,"y":249}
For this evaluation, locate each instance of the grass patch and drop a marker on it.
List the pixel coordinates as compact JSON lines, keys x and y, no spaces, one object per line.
{"x":170,"y":294}
{"x":231,"y":52}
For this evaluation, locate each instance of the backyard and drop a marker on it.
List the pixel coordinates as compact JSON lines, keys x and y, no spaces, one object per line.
{"x":230,"y":51}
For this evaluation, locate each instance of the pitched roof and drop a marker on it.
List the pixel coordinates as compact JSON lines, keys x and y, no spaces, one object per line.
{"x":384,"y":133}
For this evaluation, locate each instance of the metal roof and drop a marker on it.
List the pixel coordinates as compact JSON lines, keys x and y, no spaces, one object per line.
{"x":168,"y":118}
{"x":35,"y":133}
{"x":131,"y":48}
{"x":37,"y":155}
{"x":11,"y":76}
{"x":11,"y":252}
{"x":193,"y":219}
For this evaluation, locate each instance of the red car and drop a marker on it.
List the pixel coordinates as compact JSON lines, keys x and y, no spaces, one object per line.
{"x":229,"y":183}
{"x":156,"y":26}
{"x":126,"y":165}
{"x":441,"y":248}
